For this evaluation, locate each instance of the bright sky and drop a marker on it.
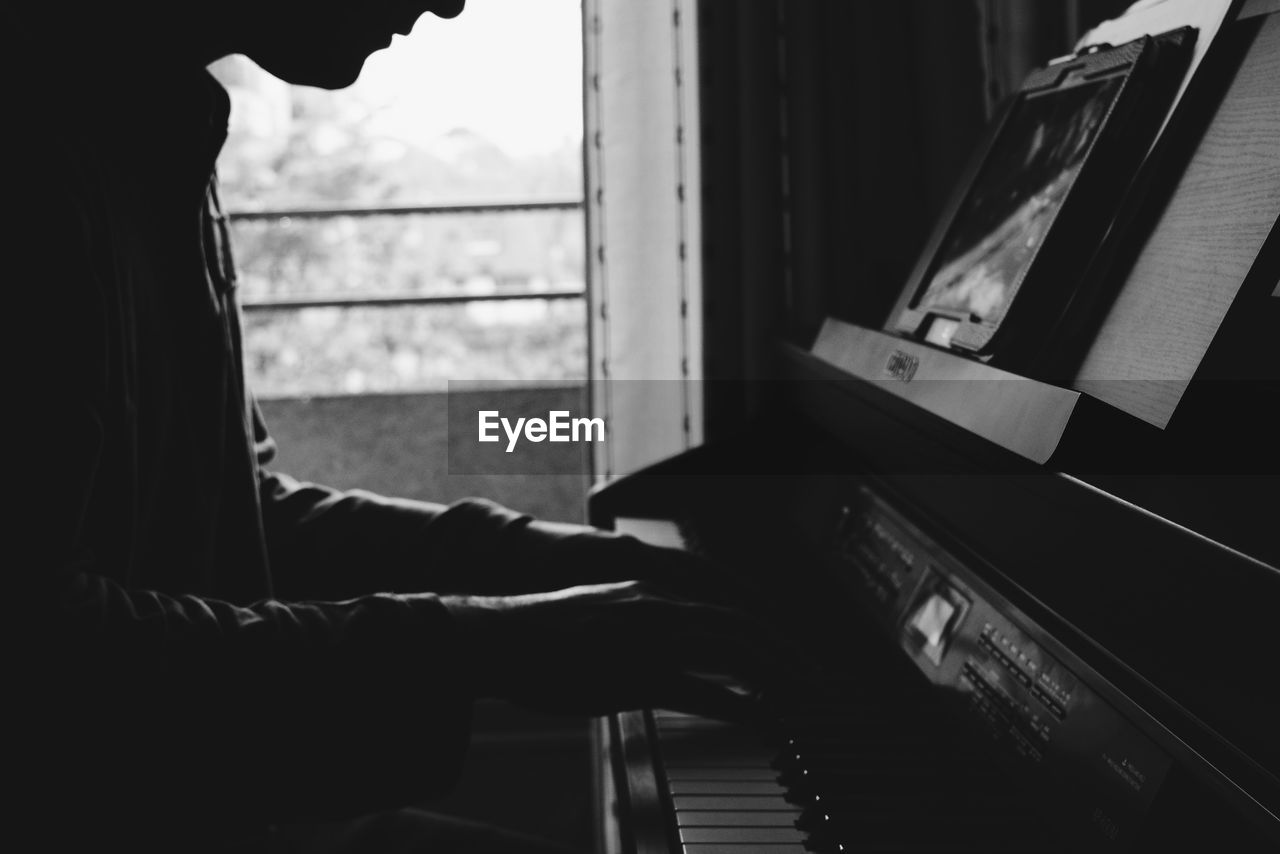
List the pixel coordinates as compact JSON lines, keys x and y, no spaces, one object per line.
{"x":510,"y":70}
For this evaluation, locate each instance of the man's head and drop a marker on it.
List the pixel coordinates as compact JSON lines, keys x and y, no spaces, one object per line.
{"x":324,"y":42}
{"x":310,"y":42}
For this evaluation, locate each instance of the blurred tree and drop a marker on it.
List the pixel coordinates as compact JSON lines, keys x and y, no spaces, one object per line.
{"x":292,"y":147}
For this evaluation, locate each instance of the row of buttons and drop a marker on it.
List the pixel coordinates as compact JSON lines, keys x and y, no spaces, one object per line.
{"x":876,"y":583}
{"x":982,"y":701}
{"x":1052,"y":688}
{"x":994,"y":692}
{"x":1050,"y":694}
{"x":997,"y":641}
{"x":994,"y":702}
{"x":1024,"y":745}
{"x":1008,"y":663}
{"x":884,"y":572}
{"x":1049,"y":703}
{"x":881,"y":579}
{"x":1023,"y":711}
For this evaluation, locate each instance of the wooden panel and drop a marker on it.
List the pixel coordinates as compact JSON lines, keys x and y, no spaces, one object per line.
{"x":1022,"y":415}
{"x":1200,"y":252}
{"x":646,"y":818}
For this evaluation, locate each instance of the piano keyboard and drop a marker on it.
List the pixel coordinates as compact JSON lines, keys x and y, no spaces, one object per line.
{"x":949,"y":722}
{"x":839,"y":773}
{"x":723,"y":790}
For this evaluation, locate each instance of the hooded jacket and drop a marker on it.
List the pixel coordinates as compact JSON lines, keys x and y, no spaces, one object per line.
{"x":197,"y":642}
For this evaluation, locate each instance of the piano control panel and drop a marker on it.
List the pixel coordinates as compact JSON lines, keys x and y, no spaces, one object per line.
{"x":1035,"y":701}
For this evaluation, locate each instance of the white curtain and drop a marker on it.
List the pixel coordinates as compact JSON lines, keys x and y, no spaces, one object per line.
{"x":644,"y":229}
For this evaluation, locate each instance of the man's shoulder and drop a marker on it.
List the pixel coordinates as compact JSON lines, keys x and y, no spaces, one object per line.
{"x":53,"y":241}
{"x":51,"y":162}
{"x":49,"y":190}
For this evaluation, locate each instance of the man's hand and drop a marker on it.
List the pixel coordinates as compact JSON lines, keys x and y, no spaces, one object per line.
{"x":607,"y":647}
{"x":480,"y":548}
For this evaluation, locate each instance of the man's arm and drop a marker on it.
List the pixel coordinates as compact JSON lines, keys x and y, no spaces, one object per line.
{"x":193,"y":711}
{"x":134,"y":708}
{"x":329,"y":543}
{"x":146,"y":707}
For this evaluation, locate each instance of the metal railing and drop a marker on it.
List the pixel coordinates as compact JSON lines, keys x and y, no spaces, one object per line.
{"x":394,"y":300}
{"x":285,"y":215}
{"x":407,"y":210}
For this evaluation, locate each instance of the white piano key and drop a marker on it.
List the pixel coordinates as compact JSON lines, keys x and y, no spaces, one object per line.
{"x":725,"y":763}
{"x":739,"y":848}
{"x":760,"y":835}
{"x":730,"y":802}
{"x":727,"y":818}
{"x":722,"y":787}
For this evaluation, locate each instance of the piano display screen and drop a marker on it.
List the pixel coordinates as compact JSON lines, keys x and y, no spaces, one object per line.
{"x":1014,"y":200}
{"x":933,"y":620}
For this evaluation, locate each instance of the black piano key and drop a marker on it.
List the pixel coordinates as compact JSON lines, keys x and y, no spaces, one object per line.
{"x":691,"y":757}
{"x":854,"y":760}
{"x":725,"y":748}
{"x":921,"y":780}
{"x":796,"y":762}
{"x":854,"y":740}
{"x":869,"y":745}
{"x":923,"y":830}
{"x":873,"y":803}
{"x":870,"y":812}
{"x":881,"y":763}
{"x":694,"y":726}
{"x":854,"y":732}
{"x":907,"y":846}
{"x":858,"y":774}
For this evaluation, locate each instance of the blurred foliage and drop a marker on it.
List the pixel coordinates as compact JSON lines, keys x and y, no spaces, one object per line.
{"x":317,"y":351}
{"x":409,"y":254}
{"x":292,"y":147}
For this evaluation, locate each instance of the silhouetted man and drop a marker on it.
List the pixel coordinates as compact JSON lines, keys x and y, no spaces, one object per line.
{"x":202,"y":648}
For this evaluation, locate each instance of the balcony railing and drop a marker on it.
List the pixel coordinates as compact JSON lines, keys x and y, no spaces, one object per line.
{"x":287,"y":215}
{"x":403,"y":210}
{"x":360,"y":299}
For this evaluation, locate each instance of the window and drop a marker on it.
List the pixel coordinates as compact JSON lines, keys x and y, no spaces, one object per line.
{"x":425,"y":224}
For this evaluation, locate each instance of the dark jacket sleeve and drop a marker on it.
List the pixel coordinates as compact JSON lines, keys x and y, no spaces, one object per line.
{"x":131,"y":707}
{"x":332,"y":543}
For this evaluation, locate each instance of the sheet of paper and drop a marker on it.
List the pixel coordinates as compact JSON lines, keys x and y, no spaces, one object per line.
{"x":1152,"y":17}
{"x":1208,"y":237}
